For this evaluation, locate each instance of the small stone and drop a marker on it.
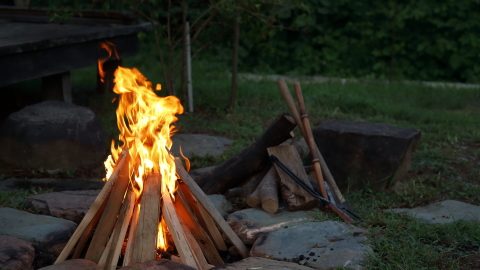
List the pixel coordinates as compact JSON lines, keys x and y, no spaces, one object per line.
{"x":162,"y":264}
{"x":263,"y":264}
{"x":52,"y":135}
{"x":221,"y":203}
{"x":200,"y":145}
{"x":443,"y":212}
{"x":75,"y":264}
{"x":71,"y":205}
{"x":15,"y":253}
{"x":332,"y":242}
{"x":361,"y":154}
{"x":252,"y":222}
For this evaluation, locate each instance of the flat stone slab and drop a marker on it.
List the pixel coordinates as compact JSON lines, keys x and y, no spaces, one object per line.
{"x":15,"y":253}
{"x":320,"y":245}
{"x":71,"y":205}
{"x":249,"y":223}
{"x":34,"y":228}
{"x":75,"y":264}
{"x":264,"y":264}
{"x":200,"y":145}
{"x":443,"y":212}
{"x":361,"y":154}
{"x":52,"y":135}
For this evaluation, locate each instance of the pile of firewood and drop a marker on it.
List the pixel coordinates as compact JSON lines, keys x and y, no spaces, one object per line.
{"x":271,"y":171}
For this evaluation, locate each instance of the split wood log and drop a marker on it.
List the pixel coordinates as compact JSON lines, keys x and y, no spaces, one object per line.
{"x":238,"y":169}
{"x":188,"y":219}
{"x":269,"y":191}
{"x":295,"y":196}
{"x":127,"y":258}
{"x":202,"y":263}
{"x":109,"y":216}
{"x":239,"y":195}
{"x":210,"y":208}
{"x":96,"y":206}
{"x":203,"y":217}
{"x":120,"y":231}
{"x":145,"y":243}
{"x":187,"y":255}
{"x":254,"y":200}
{"x":266,"y":192}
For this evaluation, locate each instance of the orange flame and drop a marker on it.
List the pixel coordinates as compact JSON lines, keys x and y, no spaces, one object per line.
{"x":111,"y":51}
{"x":145,"y":124}
{"x":162,"y":236}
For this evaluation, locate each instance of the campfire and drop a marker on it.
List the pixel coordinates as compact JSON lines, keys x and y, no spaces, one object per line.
{"x":150,"y":207}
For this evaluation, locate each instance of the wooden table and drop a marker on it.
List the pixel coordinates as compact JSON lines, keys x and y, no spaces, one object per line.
{"x":32,"y":47}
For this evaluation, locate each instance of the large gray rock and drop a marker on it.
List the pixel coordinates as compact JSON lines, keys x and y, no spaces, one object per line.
{"x":71,"y":205}
{"x":321,"y":245}
{"x":15,"y":254}
{"x":75,"y":264}
{"x":264,"y":264}
{"x":200,"y":145}
{"x":52,"y":135}
{"x":48,"y":234}
{"x":363,"y":154}
{"x":249,"y":223}
{"x":443,"y":212}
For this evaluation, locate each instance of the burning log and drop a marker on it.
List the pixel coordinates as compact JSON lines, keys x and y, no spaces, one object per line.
{"x":236,"y":170}
{"x":146,"y":232}
{"x":210,"y":209}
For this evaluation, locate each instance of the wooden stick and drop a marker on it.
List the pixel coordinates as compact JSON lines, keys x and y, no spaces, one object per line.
{"x":310,"y":141}
{"x":120,"y":231}
{"x":282,"y":85}
{"x":122,"y":163}
{"x":188,"y":219}
{"x":176,"y":230}
{"x":203,"y":217}
{"x":202,"y":263}
{"x":269,"y":191}
{"x":127,"y":258}
{"x":79,"y":250}
{"x":210,"y":208}
{"x":107,"y":220}
{"x":103,"y":258}
{"x":145,"y":243}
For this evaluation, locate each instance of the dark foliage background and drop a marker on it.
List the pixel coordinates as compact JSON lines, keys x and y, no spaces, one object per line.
{"x":392,"y":39}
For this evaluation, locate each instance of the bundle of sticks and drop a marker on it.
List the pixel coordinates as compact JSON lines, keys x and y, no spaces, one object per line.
{"x":123,"y":226}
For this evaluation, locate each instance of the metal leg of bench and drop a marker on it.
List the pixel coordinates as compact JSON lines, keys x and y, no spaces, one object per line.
{"x":58,"y":86}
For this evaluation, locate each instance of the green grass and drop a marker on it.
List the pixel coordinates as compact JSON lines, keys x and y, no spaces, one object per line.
{"x":446,"y":164}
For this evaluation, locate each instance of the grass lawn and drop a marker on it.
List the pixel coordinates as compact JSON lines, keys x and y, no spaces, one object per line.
{"x":446,"y":164}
